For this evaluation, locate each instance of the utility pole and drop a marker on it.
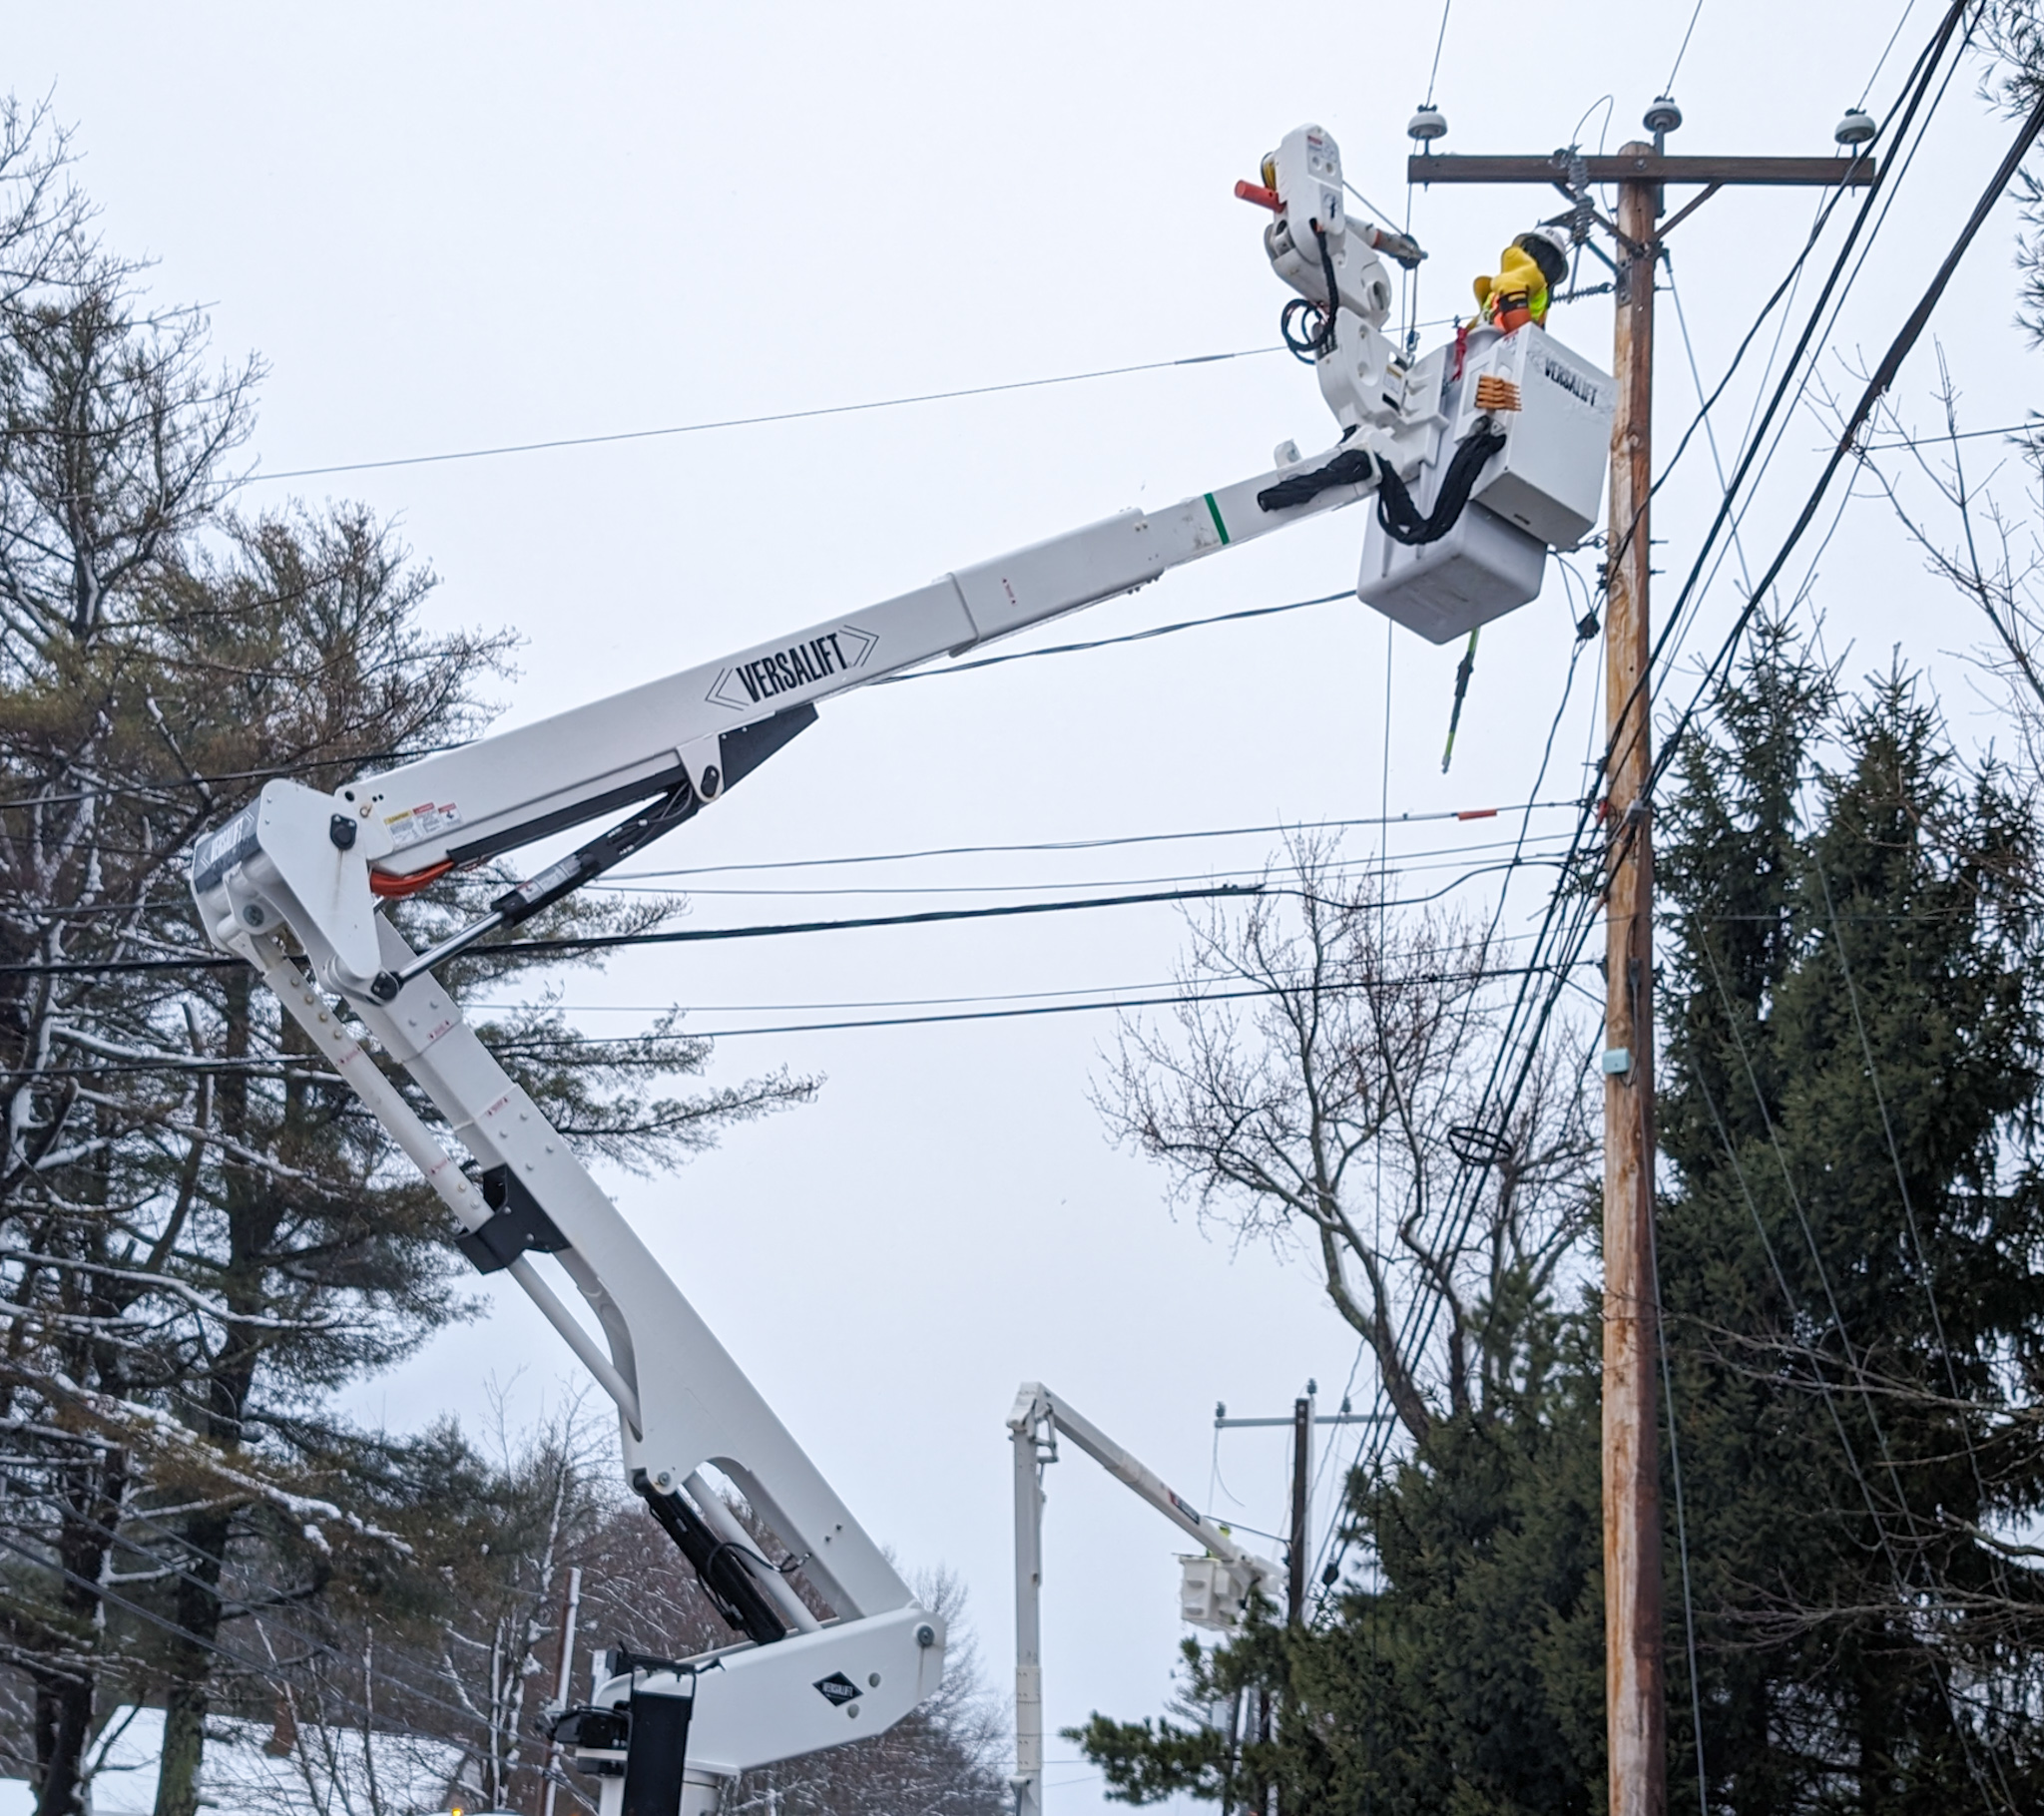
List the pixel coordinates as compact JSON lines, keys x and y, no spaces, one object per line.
{"x":1301,"y":1516}
{"x":564,"y":1680}
{"x":1635,"y":1699}
{"x":1031,"y":1452}
{"x":1298,"y":1533}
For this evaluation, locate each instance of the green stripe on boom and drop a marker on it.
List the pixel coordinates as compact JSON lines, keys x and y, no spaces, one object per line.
{"x":1214,"y":511}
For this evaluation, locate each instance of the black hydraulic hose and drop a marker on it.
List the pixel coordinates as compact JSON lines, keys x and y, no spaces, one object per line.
{"x":724,"y":1578}
{"x":1327,"y":334}
{"x":1401,"y":519}
{"x":1309,"y":347}
{"x":1351,"y":468}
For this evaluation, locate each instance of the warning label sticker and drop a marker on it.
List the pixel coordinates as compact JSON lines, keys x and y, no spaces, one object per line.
{"x":427,"y":821}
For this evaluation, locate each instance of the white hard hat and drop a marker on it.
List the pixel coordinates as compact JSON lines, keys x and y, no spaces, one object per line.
{"x":1550,"y":248}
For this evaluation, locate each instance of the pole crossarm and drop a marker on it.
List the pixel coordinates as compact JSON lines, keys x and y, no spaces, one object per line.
{"x":1647,"y":167}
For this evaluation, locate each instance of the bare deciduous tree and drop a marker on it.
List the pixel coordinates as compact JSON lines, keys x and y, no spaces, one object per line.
{"x":1323,"y":1085}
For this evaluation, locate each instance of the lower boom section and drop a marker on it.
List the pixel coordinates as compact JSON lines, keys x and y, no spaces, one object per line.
{"x":661,"y":1736}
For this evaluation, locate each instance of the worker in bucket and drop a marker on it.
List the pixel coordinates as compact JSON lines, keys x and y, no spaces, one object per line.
{"x":1527,"y":271}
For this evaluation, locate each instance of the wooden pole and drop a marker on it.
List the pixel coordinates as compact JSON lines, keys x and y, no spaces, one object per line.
{"x":1635,"y":1710}
{"x":1636,"y":1723}
{"x":1302,"y":1480}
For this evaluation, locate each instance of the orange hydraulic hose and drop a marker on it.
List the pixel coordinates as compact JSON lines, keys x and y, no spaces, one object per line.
{"x":391,"y":887}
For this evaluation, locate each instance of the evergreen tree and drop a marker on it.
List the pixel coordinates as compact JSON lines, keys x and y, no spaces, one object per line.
{"x":202,"y":1234}
{"x":1848,"y":1243}
{"x":1849,"y":1249}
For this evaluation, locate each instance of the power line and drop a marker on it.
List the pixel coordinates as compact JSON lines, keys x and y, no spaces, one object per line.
{"x":1668,"y":87}
{"x":635,"y":883}
{"x":1409,"y":863}
{"x":176,"y":786}
{"x":1459,"y":1204}
{"x":1854,"y":1367}
{"x":1440,"y":38}
{"x":599,"y":941}
{"x":1883,"y":376}
{"x":256,"y":1668}
{"x":1887,"y":50}
{"x":1526,"y":1022}
{"x":1104,"y":642}
{"x":1916,"y":87}
{"x":911,"y":1002}
{"x":1110,"y":996}
{"x":1896,"y":443}
{"x":184,"y":783}
{"x":315,"y":1642}
{"x":746,"y":422}
{"x":1461,"y":1194}
{"x":1919,"y":79}
{"x":691,"y":935}
{"x":1134,"y":838}
{"x":1173,"y":1000}
{"x":1924,"y":1263}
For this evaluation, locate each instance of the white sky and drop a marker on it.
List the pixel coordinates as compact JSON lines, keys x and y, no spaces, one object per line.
{"x":453,"y":226}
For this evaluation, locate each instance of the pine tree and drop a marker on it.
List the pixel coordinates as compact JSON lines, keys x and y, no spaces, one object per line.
{"x":1849,"y":1239}
{"x":1848,"y":1249}
{"x":202,"y":1234}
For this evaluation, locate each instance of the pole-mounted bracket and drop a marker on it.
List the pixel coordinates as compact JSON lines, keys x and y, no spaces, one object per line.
{"x":520,"y":1223}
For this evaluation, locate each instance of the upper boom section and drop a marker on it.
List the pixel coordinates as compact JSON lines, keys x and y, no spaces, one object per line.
{"x":1036,"y":1406}
{"x":504,"y":791}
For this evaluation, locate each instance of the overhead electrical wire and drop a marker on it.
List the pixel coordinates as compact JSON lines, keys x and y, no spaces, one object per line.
{"x":691,"y":935}
{"x":1185,"y":998}
{"x":1668,"y":87}
{"x":746,"y":422}
{"x":1409,"y":863}
{"x":1897,"y":443}
{"x":1887,"y":50}
{"x":1754,"y":447}
{"x":1569,"y":947}
{"x":1925,"y":1268}
{"x":310,"y":1067}
{"x":254,"y":1668}
{"x":637,"y":882}
{"x":1278,"y":827}
{"x":1883,"y":376}
{"x":1854,"y":1367}
{"x":1158,"y":631}
{"x":314,"y":1642}
{"x":548,"y":1005}
{"x":1837,"y":281}
{"x":1017,"y":655}
{"x":180,"y":787}
{"x":673,"y":936}
{"x":1439,"y":39}
{"x":1105,"y":643}
{"x":1676,"y":627}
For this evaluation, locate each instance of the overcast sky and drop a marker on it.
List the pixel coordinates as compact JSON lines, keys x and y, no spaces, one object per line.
{"x":453,"y":226}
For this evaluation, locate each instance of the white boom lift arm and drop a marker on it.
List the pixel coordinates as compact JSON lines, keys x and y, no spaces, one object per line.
{"x":313,"y":866}
{"x":1216,"y":1586}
